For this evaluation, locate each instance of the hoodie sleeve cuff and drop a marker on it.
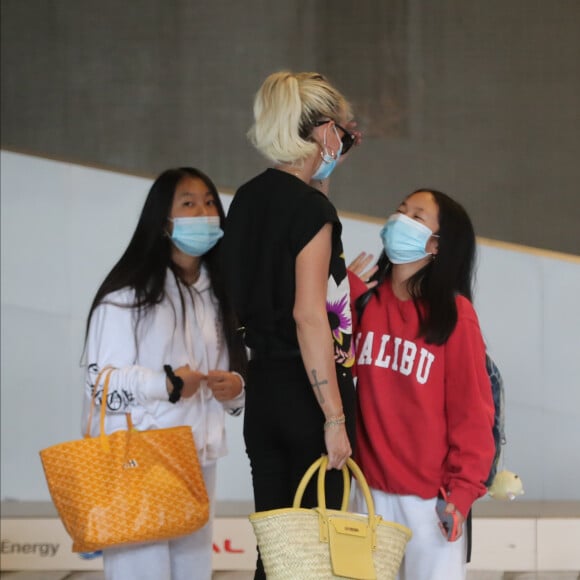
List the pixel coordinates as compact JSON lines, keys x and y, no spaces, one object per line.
{"x":462,"y":500}
{"x":155,"y":386}
{"x":236,"y":405}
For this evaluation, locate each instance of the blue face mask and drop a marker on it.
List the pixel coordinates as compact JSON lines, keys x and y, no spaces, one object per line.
{"x":195,"y":236}
{"x":405,"y":239}
{"x":328,"y":162}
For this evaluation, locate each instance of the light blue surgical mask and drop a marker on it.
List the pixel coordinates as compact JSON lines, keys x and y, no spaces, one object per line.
{"x":196,"y":236}
{"x":329,"y":161}
{"x":405,"y":239}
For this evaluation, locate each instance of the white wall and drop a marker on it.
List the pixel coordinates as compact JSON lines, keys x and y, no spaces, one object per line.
{"x":64,"y":226}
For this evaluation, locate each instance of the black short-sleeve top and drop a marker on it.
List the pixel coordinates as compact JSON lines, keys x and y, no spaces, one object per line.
{"x":271,"y":219}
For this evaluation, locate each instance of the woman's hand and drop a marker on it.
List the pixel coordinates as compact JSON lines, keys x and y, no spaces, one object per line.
{"x":191,"y":380}
{"x":351,"y":128}
{"x":224,"y":385}
{"x":337,"y":446}
{"x":359,"y":267}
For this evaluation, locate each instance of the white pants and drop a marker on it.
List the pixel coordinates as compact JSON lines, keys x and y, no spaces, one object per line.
{"x":185,"y":558}
{"x":429,"y":556}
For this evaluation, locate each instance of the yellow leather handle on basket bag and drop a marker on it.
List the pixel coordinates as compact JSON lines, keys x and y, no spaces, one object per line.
{"x":318,"y":465}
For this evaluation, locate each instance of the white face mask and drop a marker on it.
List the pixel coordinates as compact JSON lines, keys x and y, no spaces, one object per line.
{"x":405,"y":239}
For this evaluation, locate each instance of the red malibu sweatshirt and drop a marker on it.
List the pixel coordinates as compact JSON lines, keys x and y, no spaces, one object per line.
{"x":425,"y":412}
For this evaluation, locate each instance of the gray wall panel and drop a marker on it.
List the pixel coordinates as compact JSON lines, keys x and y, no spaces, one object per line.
{"x":477,"y":99}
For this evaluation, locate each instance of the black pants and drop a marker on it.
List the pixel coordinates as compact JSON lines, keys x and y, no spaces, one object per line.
{"x":284,"y":434}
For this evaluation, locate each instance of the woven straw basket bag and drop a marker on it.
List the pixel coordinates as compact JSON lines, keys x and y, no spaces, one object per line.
{"x":127,"y":487}
{"x":310,"y":544}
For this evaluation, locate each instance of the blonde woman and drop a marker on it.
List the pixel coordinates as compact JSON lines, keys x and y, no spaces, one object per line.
{"x":285,"y":269}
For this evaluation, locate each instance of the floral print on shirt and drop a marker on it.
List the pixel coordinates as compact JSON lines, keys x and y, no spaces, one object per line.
{"x":340,"y":318}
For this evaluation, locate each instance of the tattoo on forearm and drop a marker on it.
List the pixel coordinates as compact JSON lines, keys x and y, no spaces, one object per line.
{"x":316,"y":386}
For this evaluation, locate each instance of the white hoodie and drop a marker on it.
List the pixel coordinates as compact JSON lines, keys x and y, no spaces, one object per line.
{"x":138,"y":385}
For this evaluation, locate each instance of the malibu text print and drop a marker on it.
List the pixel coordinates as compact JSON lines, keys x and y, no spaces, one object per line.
{"x":395,"y":353}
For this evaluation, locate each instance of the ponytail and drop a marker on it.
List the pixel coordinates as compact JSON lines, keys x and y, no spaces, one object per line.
{"x":285,"y":110}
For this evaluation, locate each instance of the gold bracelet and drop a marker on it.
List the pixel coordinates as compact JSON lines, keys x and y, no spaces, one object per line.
{"x":340,"y":420}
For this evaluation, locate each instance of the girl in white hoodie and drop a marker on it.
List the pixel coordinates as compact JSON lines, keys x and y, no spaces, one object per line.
{"x":162,"y":319}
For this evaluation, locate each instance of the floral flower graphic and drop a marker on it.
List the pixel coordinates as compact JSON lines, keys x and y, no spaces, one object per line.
{"x":339,"y":316}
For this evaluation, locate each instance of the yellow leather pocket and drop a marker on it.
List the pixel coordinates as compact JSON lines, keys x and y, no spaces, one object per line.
{"x":350,"y":542}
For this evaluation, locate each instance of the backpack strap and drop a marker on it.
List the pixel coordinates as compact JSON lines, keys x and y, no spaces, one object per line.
{"x":498,"y":395}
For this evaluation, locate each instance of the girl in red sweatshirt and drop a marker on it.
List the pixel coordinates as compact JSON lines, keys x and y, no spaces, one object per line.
{"x":425,"y":410}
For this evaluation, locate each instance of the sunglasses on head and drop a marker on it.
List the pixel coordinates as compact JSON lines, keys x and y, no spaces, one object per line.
{"x":347,"y":138}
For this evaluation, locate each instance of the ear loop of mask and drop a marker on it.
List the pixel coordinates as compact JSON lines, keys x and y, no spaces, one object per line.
{"x":326,"y":156}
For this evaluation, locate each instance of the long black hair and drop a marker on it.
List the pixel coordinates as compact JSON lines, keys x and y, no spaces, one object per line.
{"x":436,"y":285}
{"x":144,"y":264}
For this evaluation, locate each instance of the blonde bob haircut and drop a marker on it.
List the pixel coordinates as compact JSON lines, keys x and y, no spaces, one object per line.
{"x":286,"y":108}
